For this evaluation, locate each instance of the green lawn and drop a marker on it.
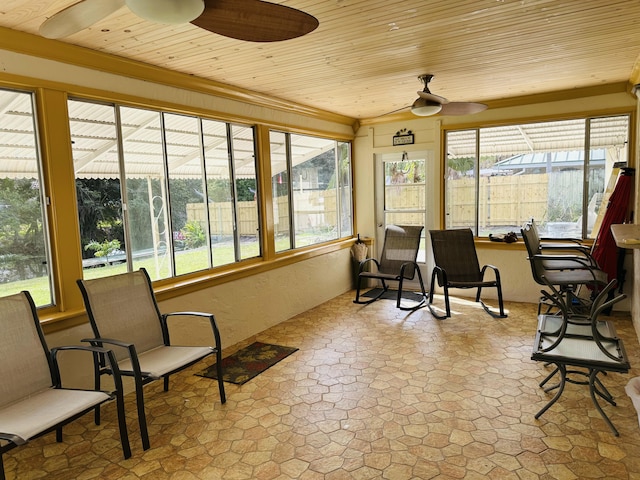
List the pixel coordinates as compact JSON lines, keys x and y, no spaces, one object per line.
{"x":186,"y":261}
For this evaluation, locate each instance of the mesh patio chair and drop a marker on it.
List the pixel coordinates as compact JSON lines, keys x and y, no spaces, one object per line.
{"x":123,"y":313}
{"x":564,"y":244}
{"x":580,"y":354}
{"x":397,"y":263}
{"x":32,"y":399}
{"x":567,"y":272}
{"x":457,"y":266}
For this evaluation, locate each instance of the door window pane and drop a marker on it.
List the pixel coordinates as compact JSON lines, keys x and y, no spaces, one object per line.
{"x":405,"y":193}
{"x":147,"y":211}
{"x":97,"y":169}
{"x":280,"y":190}
{"x":187,"y":193}
{"x":460,"y":178}
{"x":221,"y":208}
{"x":344,"y":182}
{"x":24,"y":256}
{"x":315,"y":192}
{"x":609,"y":143}
{"x":246,"y":191}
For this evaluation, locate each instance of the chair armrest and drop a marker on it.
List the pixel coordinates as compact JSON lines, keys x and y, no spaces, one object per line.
{"x":189,"y":314}
{"x":560,"y":240}
{"x":212,"y":321}
{"x":15,"y":439}
{"x":97,"y":342}
{"x":95,"y":351}
{"x":568,"y":245}
{"x":130,"y":347}
{"x":496,"y":272}
{"x":581,"y":261}
{"x":364,"y":263}
{"x":110,"y":341}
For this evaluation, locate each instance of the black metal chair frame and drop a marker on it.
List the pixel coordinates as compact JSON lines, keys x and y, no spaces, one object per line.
{"x":568,"y":272}
{"x":457,"y":266}
{"x":140,"y":376}
{"x":13,"y":441}
{"x":398,"y":265}
{"x":581,"y":351}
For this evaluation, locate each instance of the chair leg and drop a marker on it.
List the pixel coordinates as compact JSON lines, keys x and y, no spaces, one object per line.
{"x":500,"y":301}
{"x":166,"y":383}
{"x":547,"y":378}
{"x":2,"y":477}
{"x":220,"y":373}
{"x":592,"y":391}
{"x":446,"y":297}
{"x":371,"y":300}
{"x":122,"y":425}
{"x":446,"y":300}
{"x":399,"y":295}
{"x":602,"y":391}
{"x":96,"y":382}
{"x":142,"y":416}
{"x":417,"y":305}
{"x":357,"y":300}
{"x":563,"y":376}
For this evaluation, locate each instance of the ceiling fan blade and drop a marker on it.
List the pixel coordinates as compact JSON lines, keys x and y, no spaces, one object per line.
{"x":462,"y":108}
{"x":406,"y":107}
{"x":255,"y":20}
{"x":77,"y":17}
{"x":432,"y":97}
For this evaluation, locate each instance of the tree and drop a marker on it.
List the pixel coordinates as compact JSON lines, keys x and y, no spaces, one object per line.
{"x":22,"y":246}
{"x":99,"y":210}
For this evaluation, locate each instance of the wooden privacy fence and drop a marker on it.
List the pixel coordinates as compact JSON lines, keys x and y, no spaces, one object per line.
{"x":503,"y":201}
{"x":315,"y":209}
{"x":511,"y":199}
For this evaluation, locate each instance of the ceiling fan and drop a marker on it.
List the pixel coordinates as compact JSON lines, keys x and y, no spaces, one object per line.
{"x":428,"y":103}
{"x":250,"y":20}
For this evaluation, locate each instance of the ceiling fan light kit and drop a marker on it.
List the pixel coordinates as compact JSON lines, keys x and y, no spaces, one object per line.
{"x":428,"y":103}
{"x":424,"y":108}
{"x":167,"y":11}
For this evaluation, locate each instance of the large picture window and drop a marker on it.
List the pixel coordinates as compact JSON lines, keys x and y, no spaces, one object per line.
{"x":311,"y":185}
{"x":24,"y":246}
{"x":556,"y":172}
{"x":173,"y":193}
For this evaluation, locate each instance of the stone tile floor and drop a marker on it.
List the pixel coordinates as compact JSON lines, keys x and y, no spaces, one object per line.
{"x":373,"y":393}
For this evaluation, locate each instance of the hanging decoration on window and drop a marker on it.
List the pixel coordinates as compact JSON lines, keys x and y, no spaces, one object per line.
{"x":403,"y":137}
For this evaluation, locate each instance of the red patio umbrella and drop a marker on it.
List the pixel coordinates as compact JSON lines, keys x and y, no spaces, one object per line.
{"x":605,"y":251}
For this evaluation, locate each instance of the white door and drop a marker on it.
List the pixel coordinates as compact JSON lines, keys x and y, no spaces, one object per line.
{"x":407,"y":194}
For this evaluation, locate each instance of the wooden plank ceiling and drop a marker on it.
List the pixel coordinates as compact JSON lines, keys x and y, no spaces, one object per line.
{"x":364,"y":59}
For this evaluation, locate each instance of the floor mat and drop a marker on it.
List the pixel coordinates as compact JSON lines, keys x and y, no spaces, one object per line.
{"x":248,"y":362}
{"x":393,"y":294}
